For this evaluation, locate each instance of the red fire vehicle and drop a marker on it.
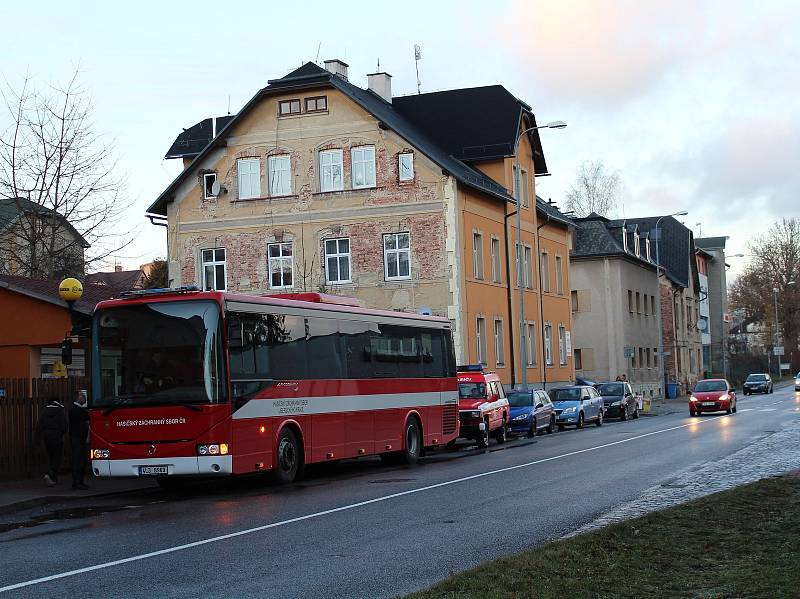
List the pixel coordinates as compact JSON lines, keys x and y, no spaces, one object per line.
{"x":483,"y":408}
{"x":210,"y":383}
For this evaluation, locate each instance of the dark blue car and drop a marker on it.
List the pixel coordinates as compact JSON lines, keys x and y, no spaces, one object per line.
{"x":531,"y":412}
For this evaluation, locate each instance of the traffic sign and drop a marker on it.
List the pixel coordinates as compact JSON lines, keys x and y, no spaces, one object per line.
{"x":778,"y":350}
{"x":629,"y":351}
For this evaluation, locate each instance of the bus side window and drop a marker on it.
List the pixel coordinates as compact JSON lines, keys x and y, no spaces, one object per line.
{"x":433,"y":353}
{"x":357,"y":348}
{"x":324,"y":349}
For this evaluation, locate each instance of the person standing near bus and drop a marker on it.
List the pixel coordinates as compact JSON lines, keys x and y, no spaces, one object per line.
{"x":78,"y":439}
{"x":51,"y":428}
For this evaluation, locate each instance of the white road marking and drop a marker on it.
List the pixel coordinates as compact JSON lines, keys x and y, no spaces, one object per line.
{"x":768,"y":410}
{"x":343,"y":508}
{"x":745,"y":410}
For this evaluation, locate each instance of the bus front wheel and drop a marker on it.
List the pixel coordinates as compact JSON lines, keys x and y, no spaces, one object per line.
{"x":289,"y":457}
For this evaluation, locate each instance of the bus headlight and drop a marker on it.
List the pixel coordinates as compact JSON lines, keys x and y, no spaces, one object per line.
{"x":99,"y":454}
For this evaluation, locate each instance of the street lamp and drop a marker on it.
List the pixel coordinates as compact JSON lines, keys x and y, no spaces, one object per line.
{"x":523,"y":357}
{"x":660,"y":325}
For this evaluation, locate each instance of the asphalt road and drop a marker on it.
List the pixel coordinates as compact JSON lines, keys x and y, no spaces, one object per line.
{"x":361,"y":529}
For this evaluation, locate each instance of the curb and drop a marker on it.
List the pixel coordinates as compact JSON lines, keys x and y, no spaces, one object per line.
{"x":25,"y":504}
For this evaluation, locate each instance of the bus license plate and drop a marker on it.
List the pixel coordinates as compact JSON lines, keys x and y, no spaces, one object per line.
{"x":152,"y":470}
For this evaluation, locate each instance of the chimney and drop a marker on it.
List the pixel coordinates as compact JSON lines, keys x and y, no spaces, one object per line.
{"x":381,"y":84}
{"x":337,"y":67}
{"x":118,"y":268}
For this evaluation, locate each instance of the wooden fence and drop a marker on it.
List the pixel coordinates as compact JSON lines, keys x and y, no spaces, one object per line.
{"x":21,"y":403}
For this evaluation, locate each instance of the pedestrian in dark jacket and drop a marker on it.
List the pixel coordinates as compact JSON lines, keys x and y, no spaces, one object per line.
{"x":50,"y":429}
{"x":78,"y":439}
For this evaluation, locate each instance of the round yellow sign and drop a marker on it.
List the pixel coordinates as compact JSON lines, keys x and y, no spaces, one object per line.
{"x":70,"y":290}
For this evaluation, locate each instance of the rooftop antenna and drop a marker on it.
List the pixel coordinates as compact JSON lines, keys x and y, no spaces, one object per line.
{"x":379,"y":66}
{"x":229,"y":104}
{"x":319,"y":47}
{"x":417,"y":58}
{"x":700,"y":228}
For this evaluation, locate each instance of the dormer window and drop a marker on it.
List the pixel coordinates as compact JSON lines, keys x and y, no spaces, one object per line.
{"x":625,"y":239}
{"x":637,"y":244}
{"x":208,"y":186}
{"x":288,"y":107}
{"x":647,"y":248}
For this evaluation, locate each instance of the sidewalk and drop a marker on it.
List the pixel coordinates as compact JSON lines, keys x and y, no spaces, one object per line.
{"x":23,"y":494}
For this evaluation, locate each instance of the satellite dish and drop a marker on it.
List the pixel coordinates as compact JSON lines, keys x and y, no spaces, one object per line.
{"x":424,"y":311}
{"x":217,"y":189}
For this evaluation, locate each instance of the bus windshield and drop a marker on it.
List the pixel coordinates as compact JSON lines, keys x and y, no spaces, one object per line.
{"x":158,"y":353}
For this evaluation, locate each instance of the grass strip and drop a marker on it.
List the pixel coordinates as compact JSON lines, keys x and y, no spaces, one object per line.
{"x":742,"y":543}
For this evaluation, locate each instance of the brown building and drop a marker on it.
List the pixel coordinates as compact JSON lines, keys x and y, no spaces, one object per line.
{"x":406,"y":203}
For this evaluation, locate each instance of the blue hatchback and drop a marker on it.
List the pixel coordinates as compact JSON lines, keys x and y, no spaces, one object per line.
{"x":531,"y":412}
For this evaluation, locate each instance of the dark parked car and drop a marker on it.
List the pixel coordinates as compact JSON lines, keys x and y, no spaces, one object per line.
{"x":758,"y":383}
{"x":618,"y":400}
{"x":797,"y":382}
{"x":531,"y":412}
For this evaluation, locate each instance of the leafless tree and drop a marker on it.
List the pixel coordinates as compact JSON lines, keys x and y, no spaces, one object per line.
{"x":774,"y":264}
{"x":60,"y":195}
{"x":595,"y":190}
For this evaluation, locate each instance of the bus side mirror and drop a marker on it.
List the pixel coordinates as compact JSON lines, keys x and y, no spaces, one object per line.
{"x":66,"y":352}
{"x":235,"y":333}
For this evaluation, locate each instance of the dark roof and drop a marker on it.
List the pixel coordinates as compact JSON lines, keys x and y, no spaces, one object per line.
{"x":12,"y":208}
{"x":192,"y":141}
{"x":476,"y":123}
{"x":710,"y":243}
{"x":310,"y":75}
{"x":552,"y":212}
{"x":596,"y":236}
{"x":47,"y":290}
{"x":676,"y":247}
{"x":124,"y":280}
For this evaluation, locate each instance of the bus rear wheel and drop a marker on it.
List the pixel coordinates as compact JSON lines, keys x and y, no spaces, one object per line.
{"x":412,"y":446}
{"x":289,"y":458}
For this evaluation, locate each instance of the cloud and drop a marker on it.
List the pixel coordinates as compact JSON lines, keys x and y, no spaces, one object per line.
{"x":602,"y":53}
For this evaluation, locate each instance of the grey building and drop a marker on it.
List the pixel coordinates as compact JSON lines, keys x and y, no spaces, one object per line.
{"x":716,"y":333}
{"x":614,"y":295}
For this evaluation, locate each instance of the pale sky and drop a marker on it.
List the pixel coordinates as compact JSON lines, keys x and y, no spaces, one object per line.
{"x":694,"y":103}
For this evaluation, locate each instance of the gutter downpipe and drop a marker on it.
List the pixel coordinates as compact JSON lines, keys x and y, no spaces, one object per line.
{"x":541,"y":302}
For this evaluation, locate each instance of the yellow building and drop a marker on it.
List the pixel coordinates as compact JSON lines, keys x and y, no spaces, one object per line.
{"x":406,"y":203}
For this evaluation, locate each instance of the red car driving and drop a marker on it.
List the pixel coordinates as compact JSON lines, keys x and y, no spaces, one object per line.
{"x":712,"y":395}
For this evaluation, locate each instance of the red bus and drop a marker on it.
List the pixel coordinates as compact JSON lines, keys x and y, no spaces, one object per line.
{"x":210,"y":383}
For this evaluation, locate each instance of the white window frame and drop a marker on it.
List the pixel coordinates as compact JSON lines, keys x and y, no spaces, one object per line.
{"x":562,"y":345}
{"x":366,"y":160}
{"x":548,"y":344}
{"x":559,"y":265}
{"x":530,"y":343}
{"x":497,"y":268}
{"x":206,"y":195}
{"x":647,"y":248}
{"x":393,"y":255}
{"x":625,"y":239}
{"x":285,"y":178}
{"x":544,"y":269}
{"x":499,"y":343}
{"x":214,"y":263}
{"x":279,"y":261}
{"x":480,"y":339}
{"x":527,"y":265}
{"x":409,"y":174}
{"x":477,"y":255}
{"x":637,"y":244}
{"x":523,"y":177}
{"x":338,"y":255}
{"x":335,"y":162}
{"x":248,"y":191}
